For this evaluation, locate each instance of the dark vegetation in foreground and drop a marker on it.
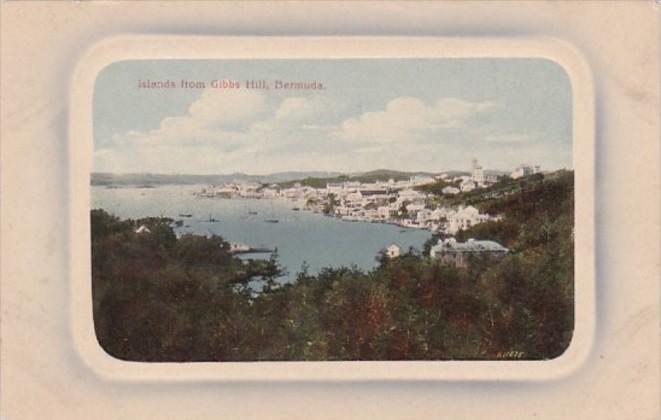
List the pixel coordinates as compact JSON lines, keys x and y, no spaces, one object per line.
{"x":162,"y":298}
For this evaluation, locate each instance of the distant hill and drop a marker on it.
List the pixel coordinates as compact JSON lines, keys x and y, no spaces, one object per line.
{"x":456,"y":173}
{"x":292,"y":175}
{"x":148,"y":179}
{"x":385,"y":175}
{"x":135,"y":179}
{"x":366,"y":177}
{"x":496,"y":172}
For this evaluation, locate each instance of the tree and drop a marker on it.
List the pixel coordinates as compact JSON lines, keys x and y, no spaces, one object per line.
{"x":163,"y":298}
{"x":329,"y":207}
{"x":271,"y":272}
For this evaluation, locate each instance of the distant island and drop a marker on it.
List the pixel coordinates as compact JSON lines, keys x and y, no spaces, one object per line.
{"x":142,"y":179}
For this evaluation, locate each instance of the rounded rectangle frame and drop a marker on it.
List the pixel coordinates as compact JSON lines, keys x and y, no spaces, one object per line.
{"x":176,"y":47}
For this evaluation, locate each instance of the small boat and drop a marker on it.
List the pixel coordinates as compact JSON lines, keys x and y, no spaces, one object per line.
{"x":185,"y":215}
{"x":236,"y":248}
{"x":271,"y":221}
{"x":296,"y":208}
{"x":252,"y":212}
{"x":260,"y":250}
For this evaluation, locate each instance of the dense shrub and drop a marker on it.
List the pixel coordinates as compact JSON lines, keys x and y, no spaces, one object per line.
{"x":162,"y":298}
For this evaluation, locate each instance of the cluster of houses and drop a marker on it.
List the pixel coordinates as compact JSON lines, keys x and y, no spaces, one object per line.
{"x":395,"y":202}
{"x":459,"y":254}
{"x":477,"y":179}
{"x":525,"y":170}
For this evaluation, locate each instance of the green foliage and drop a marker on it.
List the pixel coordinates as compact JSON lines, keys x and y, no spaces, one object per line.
{"x":314,"y":182}
{"x":329,"y":207}
{"x":435,"y":188}
{"x":162,"y":298}
{"x":381,"y":175}
{"x":504,"y":187}
{"x":403,"y":212}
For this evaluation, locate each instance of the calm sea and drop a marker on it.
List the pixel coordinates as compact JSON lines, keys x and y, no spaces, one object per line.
{"x":299,"y":236}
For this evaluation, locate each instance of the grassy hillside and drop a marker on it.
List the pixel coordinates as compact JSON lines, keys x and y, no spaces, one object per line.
{"x":382,"y":175}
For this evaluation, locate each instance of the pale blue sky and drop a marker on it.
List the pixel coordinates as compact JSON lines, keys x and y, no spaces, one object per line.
{"x":404,"y":114}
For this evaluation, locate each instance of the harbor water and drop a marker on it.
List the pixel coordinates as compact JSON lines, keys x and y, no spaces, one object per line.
{"x":299,"y":236}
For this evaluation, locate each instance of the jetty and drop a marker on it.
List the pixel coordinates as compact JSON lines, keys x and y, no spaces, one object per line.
{"x":238,"y":248}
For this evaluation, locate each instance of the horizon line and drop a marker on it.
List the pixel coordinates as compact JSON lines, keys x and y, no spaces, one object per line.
{"x":319,"y":171}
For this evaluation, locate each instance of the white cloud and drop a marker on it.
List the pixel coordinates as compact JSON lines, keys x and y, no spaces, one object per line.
{"x":318,"y":127}
{"x":217,"y":117}
{"x":300,"y":109}
{"x":223,"y":131}
{"x":508,"y":138}
{"x":407,"y":118}
{"x":220,"y":107}
{"x":239,"y":130}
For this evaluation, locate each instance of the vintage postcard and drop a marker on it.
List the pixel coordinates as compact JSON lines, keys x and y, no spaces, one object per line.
{"x":333,"y":210}
{"x":337,"y":210}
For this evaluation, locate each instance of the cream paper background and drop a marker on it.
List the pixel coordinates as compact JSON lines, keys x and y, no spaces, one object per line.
{"x":49,"y":368}
{"x":136,"y":47}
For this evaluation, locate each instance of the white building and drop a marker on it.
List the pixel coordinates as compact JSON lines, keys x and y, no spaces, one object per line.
{"x":414,"y":208}
{"x":458,"y":253}
{"x":384,"y":212}
{"x":521,"y":171}
{"x":491,"y":179}
{"x":410,"y":195}
{"x":421,"y":180}
{"x":227,"y":190}
{"x":393,"y":251}
{"x":424,"y":215}
{"x":450,"y":190}
{"x":478,"y":173}
{"x":464,"y":218}
{"x":236,"y":247}
{"x":525,"y":170}
{"x":334,"y":187}
{"x":467,"y":185}
{"x":269,"y":193}
{"x":355,"y":197}
{"x":440,"y":213}
{"x":143,"y":229}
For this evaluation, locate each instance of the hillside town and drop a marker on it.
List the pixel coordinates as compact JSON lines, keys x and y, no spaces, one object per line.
{"x":402,"y":202}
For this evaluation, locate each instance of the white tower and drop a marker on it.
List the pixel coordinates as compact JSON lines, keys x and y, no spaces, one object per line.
{"x":478,"y":173}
